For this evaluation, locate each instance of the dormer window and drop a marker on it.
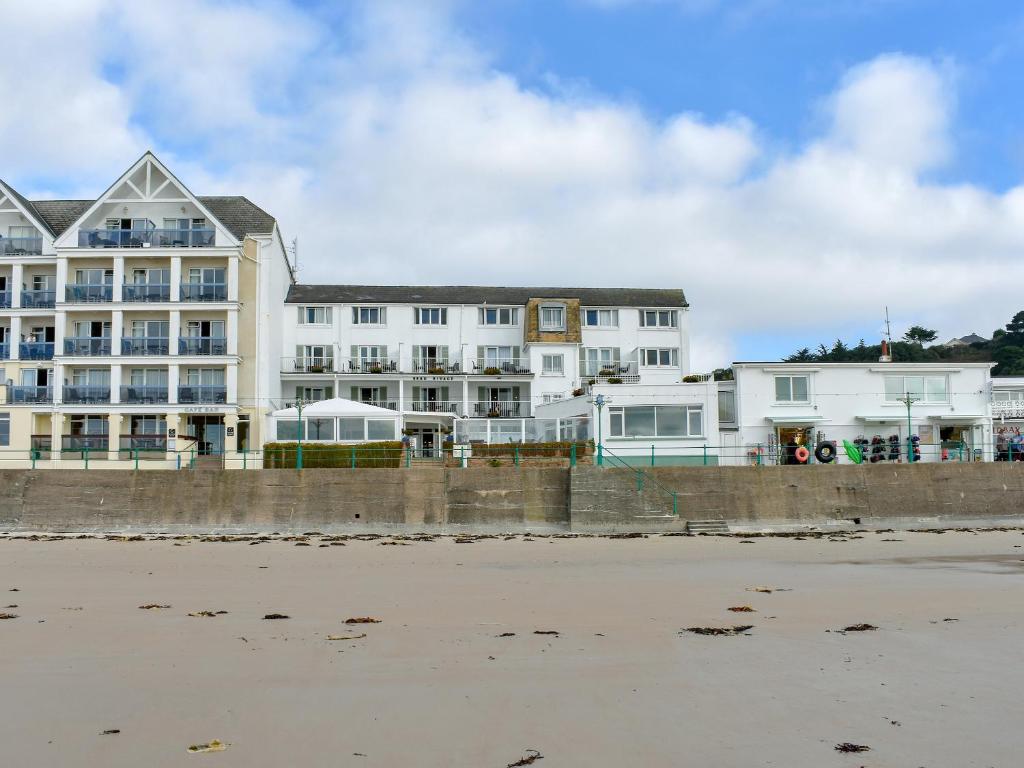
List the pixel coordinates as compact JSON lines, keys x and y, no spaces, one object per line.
{"x":552,"y":317}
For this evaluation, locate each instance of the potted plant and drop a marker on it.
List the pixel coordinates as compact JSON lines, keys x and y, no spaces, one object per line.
{"x":606,"y":372}
{"x":493,"y":413}
{"x":614,"y":380}
{"x":578,"y":392}
{"x":491,"y":371}
{"x":375,"y":368}
{"x":692,"y":378}
{"x":437,"y":370}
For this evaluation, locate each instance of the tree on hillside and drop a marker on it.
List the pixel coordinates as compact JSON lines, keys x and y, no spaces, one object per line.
{"x":801,"y":356}
{"x":917,"y":334}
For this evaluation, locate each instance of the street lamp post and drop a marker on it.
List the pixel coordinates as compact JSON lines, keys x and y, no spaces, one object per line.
{"x":600,"y":401}
{"x":907,"y":400}
{"x":298,"y":450}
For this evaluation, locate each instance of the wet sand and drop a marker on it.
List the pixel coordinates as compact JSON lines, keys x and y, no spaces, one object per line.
{"x":434,"y":685}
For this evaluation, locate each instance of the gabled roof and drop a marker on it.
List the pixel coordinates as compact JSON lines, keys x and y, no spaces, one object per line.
{"x":27,"y":206}
{"x":337,"y":406}
{"x":58,"y":215}
{"x":471,"y":294}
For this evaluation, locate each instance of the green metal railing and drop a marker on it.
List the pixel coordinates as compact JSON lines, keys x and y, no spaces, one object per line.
{"x":641,"y":477}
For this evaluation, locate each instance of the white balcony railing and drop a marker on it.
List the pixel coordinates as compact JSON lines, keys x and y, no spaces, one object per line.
{"x":1008,"y":409}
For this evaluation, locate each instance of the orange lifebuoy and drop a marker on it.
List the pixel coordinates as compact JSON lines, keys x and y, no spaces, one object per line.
{"x":802,"y":454}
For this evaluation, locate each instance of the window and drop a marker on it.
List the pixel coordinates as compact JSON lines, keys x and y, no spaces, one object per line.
{"x":726,"y":406}
{"x":369,"y":316}
{"x":380,"y":429}
{"x":351,"y":429}
{"x":598,"y":359}
{"x":5,"y":429}
{"x":657,"y":421}
{"x":314,"y":315}
{"x":206,"y":276}
{"x":552,"y":317}
{"x":319,"y":429}
{"x":499,"y":316}
{"x":288,"y":430}
{"x":659,"y":318}
{"x":552,"y":365}
{"x":148,"y":377}
{"x":659,"y":358}
{"x":312,"y":394}
{"x":922,"y":389}
{"x":791,"y":389}
{"x":601,"y":318}
{"x":430,"y":316}
{"x":550,"y":397}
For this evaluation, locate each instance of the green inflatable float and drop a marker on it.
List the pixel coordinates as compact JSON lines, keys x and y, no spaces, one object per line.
{"x":853,"y":452}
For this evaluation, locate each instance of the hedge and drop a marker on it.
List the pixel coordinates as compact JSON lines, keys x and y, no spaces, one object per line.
{"x":529,"y":449}
{"x":334,"y":455}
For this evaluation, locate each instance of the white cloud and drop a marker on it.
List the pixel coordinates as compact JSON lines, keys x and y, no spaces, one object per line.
{"x":408,"y":156}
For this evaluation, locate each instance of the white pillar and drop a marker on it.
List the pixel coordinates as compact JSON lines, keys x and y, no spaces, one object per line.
{"x":17,"y":278}
{"x":173,"y":379}
{"x":233,"y":279}
{"x":232,"y":383}
{"x":466,"y":410}
{"x":57,"y":382}
{"x":175,"y":281}
{"x":15,"y":338}
{"x":174,"y":332}
{"x":115,"y":384}
{"x":116,"y":330}
{"x":114,"y":436}
{"x":232,"y":331}
{"x":118,"y":278}
{"x":62,"y":279}
{"x":401,"y":396}
{"x":60,"y":324}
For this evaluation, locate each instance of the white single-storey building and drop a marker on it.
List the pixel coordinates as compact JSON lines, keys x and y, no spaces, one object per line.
{"x":337,"y":421}
{"x":1008,"y":417}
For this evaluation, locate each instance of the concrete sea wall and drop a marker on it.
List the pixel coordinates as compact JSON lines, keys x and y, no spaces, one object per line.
{"x":493,"y":499}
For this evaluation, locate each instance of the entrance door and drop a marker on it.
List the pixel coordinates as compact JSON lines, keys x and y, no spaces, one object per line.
{"x":427,"y":441}
{"x":208,"y":432}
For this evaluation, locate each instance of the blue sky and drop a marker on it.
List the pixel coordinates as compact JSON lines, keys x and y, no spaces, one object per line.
{"x":796,"y":166}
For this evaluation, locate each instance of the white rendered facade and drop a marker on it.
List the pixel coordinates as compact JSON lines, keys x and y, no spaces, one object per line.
{"x":436,"y":354}
{"x":773,"y":405}
{"x":143,"y":325}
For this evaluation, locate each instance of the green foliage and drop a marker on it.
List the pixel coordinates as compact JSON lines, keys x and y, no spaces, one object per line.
{"x":722,"y":374}
{"x":334,"y":455}
{"x":562,"y":449}
{"x":917,"y":334}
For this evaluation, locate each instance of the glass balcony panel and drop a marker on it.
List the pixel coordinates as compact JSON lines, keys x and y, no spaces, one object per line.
{"x":35,"y":350}
{"x":202,"y":345}
{"x":203,"y":394}
{"x":38,"y":299}
{"x":143,"y":394}
{"x":21,"y":246}
{"x":29,"y":394}
{"x":204,"y":291}
{"x":145,"y":345}
{"x":87,"y":346}
{"x":87,"y":393}
{"x":135,"y":292}
{"x":88,"y":293}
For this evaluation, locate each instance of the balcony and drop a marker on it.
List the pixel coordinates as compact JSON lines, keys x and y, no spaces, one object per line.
{"x":204,"y":291}
{"x":5,"y":299}
{"x":134,"y":445}
{"x":87,"y":346}
{"x":500,"y":409}
{"x":35,"y":350}
{"x":87,"y":393}
{"x":38,"y":299}
{"x":391,"y":405}
{"x":146,"y":238}
{"x":29,"y":394}
{"x":501,"y":366}
{"x":21,"y":246}
{"x":84,"y":443}
{"x":143,"y":395}
{"x":436,"y":366}
{"x":1008,"y":409}
{"x":135,"y":292}
{"x":307,"y":365}
{"x":209,"y":394}
{"x":141,"y":346}
{"x":5,"y":351}
{"x":607,"y":368}
{"x":373,"y":365}
{"x":88,"y":293}
{"x":452,"y":407}
{"x":202,"y":345}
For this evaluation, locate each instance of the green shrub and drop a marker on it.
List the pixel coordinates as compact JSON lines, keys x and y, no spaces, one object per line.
{"x":492,"y":371}
{"x":526,"y":450}
{"x":334,"y":455}
{"x":614,"y":380}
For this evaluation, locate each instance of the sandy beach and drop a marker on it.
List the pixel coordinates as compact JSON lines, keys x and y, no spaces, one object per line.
{"x":454,"y":674}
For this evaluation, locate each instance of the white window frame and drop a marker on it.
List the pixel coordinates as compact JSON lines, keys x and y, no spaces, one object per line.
{"x":511,"y":315}
{"x":617,"y":416}
{"x":381,"y":321}
{"x":552,"y":397}
{"x":922,"y":396}
{"x":730,"y":397}
{"x":673,"y":357}
{"x":435,"y":317}
{"x":5,"y":429}
{"x":547,"y":367}
{"x":550,"y":327}
{"x":325,"y":312}
{"x":603,"y":318}
{"x":659,"y":318}
{"x":791,"y":400}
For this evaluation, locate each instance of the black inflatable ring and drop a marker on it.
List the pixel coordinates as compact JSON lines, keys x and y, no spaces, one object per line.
{"x":825,"y":452}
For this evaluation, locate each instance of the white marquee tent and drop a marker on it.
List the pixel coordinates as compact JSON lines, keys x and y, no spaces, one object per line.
{"x":337,"y":420}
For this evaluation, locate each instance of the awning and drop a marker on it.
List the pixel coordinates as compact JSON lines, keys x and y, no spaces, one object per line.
{"x":335,"y":407}
{"x":957,"y":417}
{"x":794,"y":420}
{"x":891,"y":418}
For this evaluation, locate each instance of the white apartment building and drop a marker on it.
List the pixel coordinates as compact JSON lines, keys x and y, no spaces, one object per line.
{"x":440,"y":353}
{"x":143,"y":324}
{"x":771,"y":405}
{"x":1008,"y":417}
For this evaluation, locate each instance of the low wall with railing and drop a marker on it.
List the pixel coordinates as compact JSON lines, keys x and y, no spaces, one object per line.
{"x":511,"y":498}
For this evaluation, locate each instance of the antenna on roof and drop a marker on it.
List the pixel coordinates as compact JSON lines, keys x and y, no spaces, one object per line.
{"x":293,"y":249}
{"x":888,"y":327}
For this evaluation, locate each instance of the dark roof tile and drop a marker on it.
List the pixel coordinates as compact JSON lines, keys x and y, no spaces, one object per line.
{"x":471,"y":294}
